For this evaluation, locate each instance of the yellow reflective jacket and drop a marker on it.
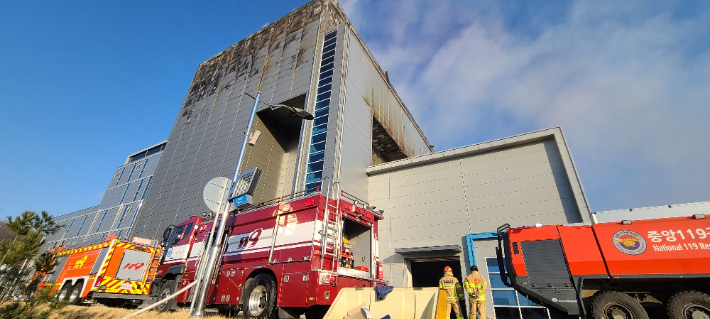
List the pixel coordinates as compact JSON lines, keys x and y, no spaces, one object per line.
{"x":451,"y":284}
{"x":475,"y":283}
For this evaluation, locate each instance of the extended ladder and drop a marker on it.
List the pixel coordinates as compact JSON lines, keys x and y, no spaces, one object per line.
{"x":331,"y":235}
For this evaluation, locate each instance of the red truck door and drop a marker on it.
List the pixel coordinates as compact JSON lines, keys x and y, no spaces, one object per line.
{"x":294,"y":236}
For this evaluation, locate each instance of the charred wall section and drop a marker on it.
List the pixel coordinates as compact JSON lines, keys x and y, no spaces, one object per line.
{"x":377,"y":127}
{"x":206,"y":138}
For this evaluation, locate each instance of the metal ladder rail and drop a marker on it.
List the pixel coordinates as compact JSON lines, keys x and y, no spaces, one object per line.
{"x":324,"y":231}
{"x":338,"y":230}
{"x":325,"y":235}
{"x":335,"y":237}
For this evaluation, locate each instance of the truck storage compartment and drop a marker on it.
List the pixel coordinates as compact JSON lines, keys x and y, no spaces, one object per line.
{"x":133,"y":265}
{"x":404,"y":303}
{"x":357,"y":250}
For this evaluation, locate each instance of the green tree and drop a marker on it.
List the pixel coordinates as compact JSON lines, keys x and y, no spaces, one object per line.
{"x":31,"y":309}
{"x":23,"y":252}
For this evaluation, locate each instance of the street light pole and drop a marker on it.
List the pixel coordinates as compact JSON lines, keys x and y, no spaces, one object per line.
{"x":202,"y":288}
{"x":199,"y":310}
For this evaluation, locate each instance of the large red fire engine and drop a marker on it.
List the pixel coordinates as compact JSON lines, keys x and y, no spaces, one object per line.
{"x":285,"y":257}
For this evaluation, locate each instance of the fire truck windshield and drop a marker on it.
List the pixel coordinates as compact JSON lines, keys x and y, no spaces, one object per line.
{"x":175,"y":236}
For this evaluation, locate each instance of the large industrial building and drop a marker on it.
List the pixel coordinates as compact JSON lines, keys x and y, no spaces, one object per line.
{"x":121,"y":202}
{"x":441,"y":208}
{"x":310,"y":59}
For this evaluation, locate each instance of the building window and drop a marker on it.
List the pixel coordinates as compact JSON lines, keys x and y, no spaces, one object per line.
{"x":316,"y":153}
{"x":127,"y":210}
{"x":102,"y":220}
{"x":119,"y":174}
{"x":508,"y":303}
{"x":138,"y":190}
{"x":147,"y":153}
{"x":133,"y":220}
{"x":82,"y":225}
{"x":142,"y":168}
{"x":146,"y":187}
{"x":124,"y":193}
{"x":68,"y":228}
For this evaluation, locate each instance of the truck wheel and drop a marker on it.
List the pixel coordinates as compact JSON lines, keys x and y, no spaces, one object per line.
{"x":166,"y":289}
{"x":64,"y":292}
{"x":617,"y":305}
{"x":260,"y":298}
{"x":689,"y":305}
{"x":75,"y":296}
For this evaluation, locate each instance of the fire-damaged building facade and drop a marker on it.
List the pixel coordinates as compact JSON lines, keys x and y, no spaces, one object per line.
{"x":441,"y":208}
{"x":311,"y":59}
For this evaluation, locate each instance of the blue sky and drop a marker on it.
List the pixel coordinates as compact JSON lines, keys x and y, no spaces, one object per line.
{"x":83,"y":84}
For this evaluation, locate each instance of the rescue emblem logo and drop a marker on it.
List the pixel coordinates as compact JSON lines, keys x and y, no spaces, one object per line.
{"x":80,"y":263}
{"x":629,"y":242}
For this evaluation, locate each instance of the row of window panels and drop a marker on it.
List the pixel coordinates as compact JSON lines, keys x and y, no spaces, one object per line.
{"x":70,"y":232}
{"x":121,"y":187}
{"x":322,"y":108}
{"x":314,"y":175}
{"x":71,"y":221}
{"x":136,"y":167}
{"x":134,"y":177}
{"x":113,"y":195}
{"x":509,"y":304}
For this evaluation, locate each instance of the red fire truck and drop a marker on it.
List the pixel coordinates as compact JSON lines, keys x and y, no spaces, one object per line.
{"x":285,"y":257}
{"x":615,"y":270}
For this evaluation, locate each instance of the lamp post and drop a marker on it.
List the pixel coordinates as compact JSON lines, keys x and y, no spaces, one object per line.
{"x":199,"y":308}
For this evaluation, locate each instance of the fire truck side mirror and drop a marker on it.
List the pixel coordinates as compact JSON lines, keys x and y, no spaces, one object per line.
{"x":166,"y":233}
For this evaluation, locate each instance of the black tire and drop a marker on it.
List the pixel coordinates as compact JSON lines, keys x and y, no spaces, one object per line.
{"x":616,"y":305}
{"x":64,"y":292}
{"x":259,"y":299}
{"x":166,"y":289}
{"x":689,"y":305}
{"x":74,"y":297}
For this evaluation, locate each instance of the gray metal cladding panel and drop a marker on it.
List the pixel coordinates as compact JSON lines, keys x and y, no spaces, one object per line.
{"x":110,"y":195}
{"x":107,"y":221}
{"x":545,"y":263}
{"x":72,"y":228}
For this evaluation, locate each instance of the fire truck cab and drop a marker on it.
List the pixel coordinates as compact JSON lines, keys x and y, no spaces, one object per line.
{"x":283,"y":257}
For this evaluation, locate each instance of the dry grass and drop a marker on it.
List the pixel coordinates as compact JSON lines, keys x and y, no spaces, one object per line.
{"x":104,"y":312}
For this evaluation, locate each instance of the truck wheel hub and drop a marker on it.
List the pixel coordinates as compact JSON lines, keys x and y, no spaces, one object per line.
{"x":257,"y":300}
{"x":74,"y":294}
{"x":696,"y":312}
{"x":163,"y":294}
{"x":618,"y":312}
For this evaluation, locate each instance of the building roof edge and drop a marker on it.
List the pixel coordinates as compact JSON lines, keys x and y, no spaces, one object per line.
{"x":465,"y":150}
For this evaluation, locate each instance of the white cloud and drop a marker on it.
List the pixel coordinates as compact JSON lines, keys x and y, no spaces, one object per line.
{"x":628,"y":84}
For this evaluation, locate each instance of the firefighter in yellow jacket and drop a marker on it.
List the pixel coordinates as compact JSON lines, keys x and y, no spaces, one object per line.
{"x":476,"y":287}
{"x":452,"y":286}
